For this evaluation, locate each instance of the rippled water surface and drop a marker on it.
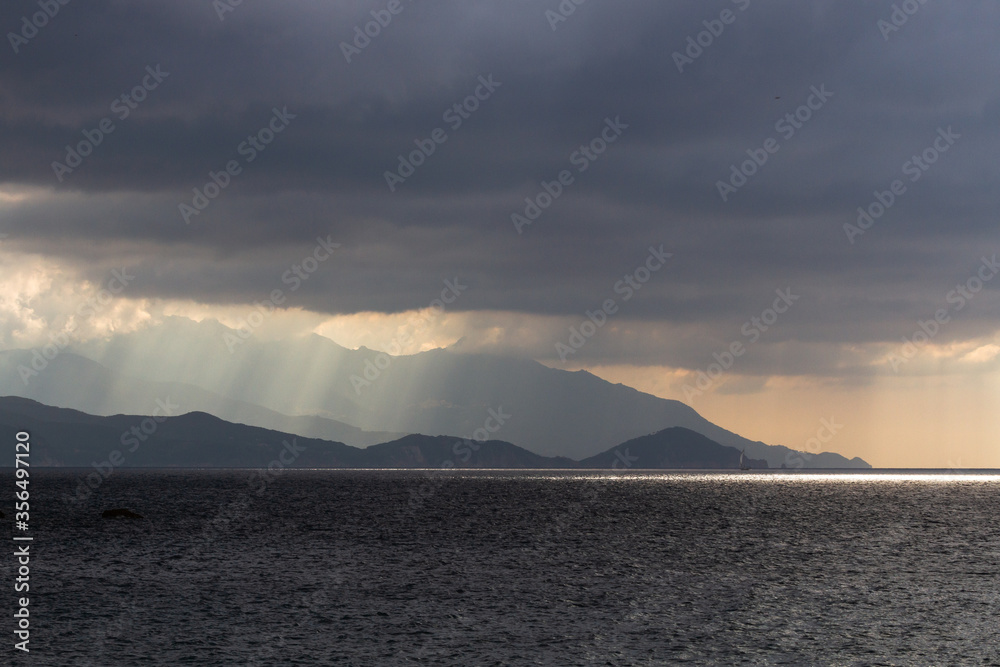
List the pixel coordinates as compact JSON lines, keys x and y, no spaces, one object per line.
{"x":513,"y":568}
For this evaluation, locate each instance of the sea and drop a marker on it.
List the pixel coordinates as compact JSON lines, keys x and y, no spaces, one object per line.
{"x":499,"y":567}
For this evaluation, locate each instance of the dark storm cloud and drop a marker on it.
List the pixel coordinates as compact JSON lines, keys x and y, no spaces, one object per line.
{"x":324,"y":174}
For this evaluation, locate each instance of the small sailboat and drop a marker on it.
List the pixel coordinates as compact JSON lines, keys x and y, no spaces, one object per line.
{"x":743,"y":460}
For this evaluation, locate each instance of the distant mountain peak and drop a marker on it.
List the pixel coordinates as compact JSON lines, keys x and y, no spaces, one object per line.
{"x":553,"y":412}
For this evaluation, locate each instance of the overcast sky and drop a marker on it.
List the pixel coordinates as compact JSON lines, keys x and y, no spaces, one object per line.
{"x":668,"y":109}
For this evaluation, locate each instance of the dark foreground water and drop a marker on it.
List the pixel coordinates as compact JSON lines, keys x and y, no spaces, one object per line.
{"x":511,"y":568}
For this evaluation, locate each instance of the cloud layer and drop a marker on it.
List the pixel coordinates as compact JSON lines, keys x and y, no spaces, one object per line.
{"x":220,"y":81}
